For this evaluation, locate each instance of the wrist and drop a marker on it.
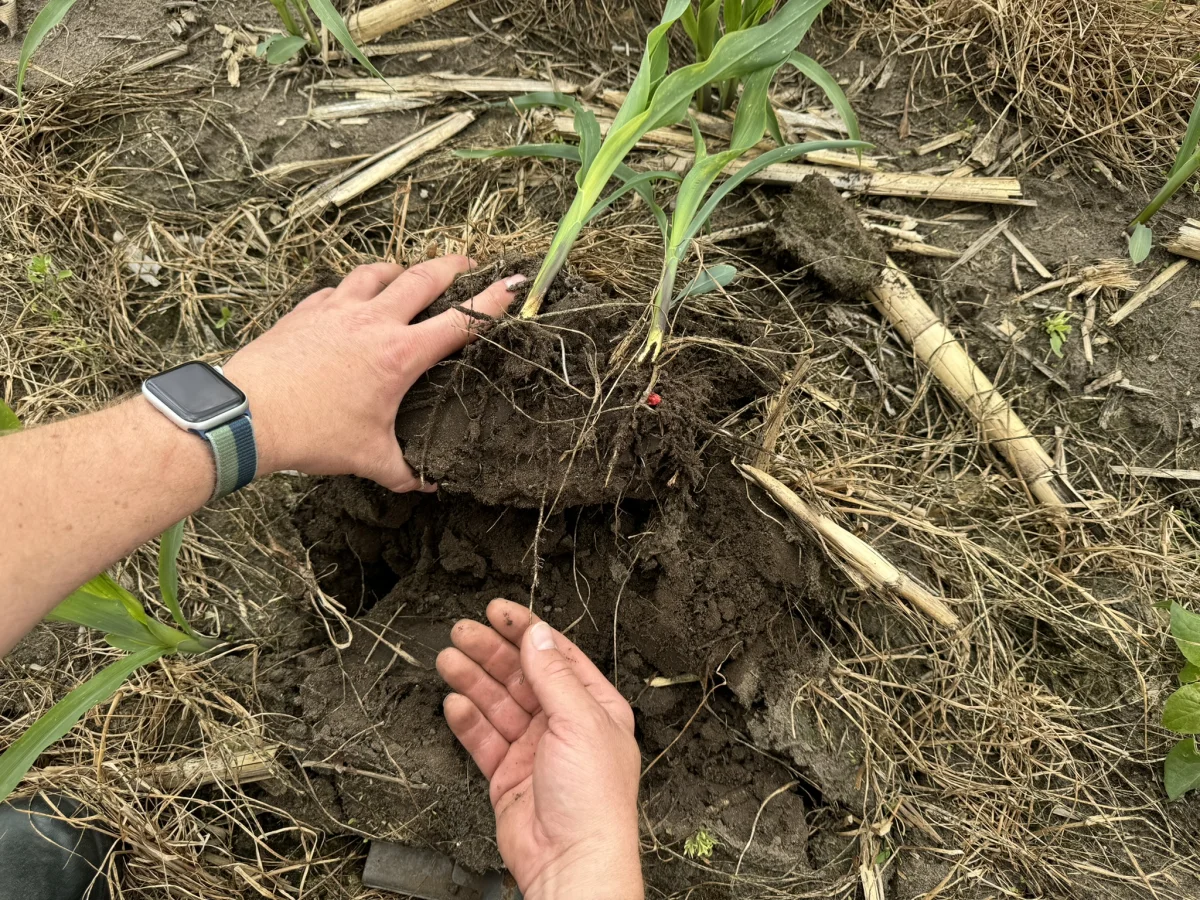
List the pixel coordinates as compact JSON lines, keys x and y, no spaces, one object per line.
{"x":606,"y":873}
{"x":257,"y":395}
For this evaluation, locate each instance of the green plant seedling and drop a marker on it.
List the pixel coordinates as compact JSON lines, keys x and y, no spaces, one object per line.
{"x":1187,"y":161}
{"x":104,"y":605}
{"x":700,"y":845}
{"x":657,"y":99}
{"x":301,"y":33}
{"x":1058,"y":329}
{"x":1181,"y":770}
{"x":41,"y":270}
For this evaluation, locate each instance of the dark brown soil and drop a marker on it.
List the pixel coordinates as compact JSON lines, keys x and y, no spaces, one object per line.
{"x":695,"y":583}
{"x":554,"y":414}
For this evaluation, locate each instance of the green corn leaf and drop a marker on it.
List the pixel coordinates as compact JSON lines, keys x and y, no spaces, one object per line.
{"x":709,"y":280}
{"x":816,"y":73}
{"x":633,"y":184}
{"x":24,"y":751}
{"x":1140,"y":241}
{"x":708,"y":26}
{"x":51,"y":14}
{"x":733,"y":15}
{"x":333,"y":20}
{"x":554,"y":99}
{"x":102,"y":614}
{"x":1181,"y":771}
{"x":168,"y":573}
{"x":736,"y":55}
{"x":103,"y":586}
{"x":653,"y":67}
{"x":8,"y":419}
{"x":281,"y":48}
{"x":773,"y":127}
{"x":590,"y":140}
{"x":1182,"y":710}
{"x":1185,"y":629}
{"x":770,"y":158}
{"x":1191,"y":139}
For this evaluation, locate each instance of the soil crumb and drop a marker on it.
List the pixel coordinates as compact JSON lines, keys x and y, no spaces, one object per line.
{"x":815,"y":228}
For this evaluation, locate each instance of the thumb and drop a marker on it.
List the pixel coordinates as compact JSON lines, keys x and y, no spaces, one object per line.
{"x":552,"y":675}
{"x":394,"y":472}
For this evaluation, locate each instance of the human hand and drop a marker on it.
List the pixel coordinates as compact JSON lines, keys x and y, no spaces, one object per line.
{"x":325,"y":382}
{"x":555,"y":739}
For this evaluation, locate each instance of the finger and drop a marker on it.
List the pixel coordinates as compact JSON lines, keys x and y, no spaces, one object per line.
{"x":480,"y":738}
{"x":499,"y":658}
{"x":450,"y":331}
{"x":554,"y":677}
{"x":394,"y":473}
{"x":511,"y":619}
{"x":316,"y":297}
{"x":518,"y":762}
{"x":422,"y":284}
{"x":515,"y":620}
{"x":369,"y":281}
{"x":468,"y":678}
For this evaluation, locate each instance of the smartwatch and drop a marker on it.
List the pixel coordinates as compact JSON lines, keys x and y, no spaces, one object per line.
{"x":199,"y":399}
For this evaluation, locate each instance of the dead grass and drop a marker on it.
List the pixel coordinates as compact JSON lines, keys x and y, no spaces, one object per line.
{"x":1109,"y":79}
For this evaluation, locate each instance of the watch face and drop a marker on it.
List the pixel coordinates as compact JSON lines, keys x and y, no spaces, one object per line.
{"x":195,"y":392}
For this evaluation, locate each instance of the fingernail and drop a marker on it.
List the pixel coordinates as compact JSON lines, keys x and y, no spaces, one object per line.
{"x":429,"y":488}
{"x":514,"y":281}
{"x":542,"y":636}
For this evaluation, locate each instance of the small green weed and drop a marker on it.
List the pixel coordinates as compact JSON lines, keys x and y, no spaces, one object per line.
{"x":700,"y":845}
{"x":42,"y":270}
{"x":1181,"y":770}
{"x":226,"y":316}
{"x":1058,"y":329}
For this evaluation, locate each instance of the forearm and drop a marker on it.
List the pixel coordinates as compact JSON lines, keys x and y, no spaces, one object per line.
{"x":81,"y":494}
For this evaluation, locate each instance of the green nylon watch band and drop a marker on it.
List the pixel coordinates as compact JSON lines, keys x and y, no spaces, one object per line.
{"x":235,"y":454}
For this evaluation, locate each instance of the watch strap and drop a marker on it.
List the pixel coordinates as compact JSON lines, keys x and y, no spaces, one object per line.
{"x":236,"y":455}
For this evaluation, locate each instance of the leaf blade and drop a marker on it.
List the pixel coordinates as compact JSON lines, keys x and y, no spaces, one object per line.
{"x":1181,"y":713}
{"x":1191,"y":139}
{"x":1181,"y":769}
{"x":65,"y":714}
{"x":51,"y":14}
{"x":709,"y":279}
{"x":168,"y":573}
{"x":333,"y":20}
{"x":1140,"y":241}
{"x":818,"y":75}
{"x":8,"y":419}
{"x":1185,"y":629}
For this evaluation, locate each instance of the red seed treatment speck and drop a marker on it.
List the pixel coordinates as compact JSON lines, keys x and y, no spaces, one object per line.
{"x":653,"y":400}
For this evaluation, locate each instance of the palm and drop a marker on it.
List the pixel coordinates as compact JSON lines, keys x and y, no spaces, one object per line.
{"x":554,"y":776}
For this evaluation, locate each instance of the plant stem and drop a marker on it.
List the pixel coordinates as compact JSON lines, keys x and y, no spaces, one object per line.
{"x":285,"y":15}
{"x":662,"y":310}
{"x":1174,"y":183}
{"x":563,"y":241}
{"x":313,"y":36}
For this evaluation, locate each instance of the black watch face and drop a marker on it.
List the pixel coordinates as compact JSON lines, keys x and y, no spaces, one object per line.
{"x":195,"y":392}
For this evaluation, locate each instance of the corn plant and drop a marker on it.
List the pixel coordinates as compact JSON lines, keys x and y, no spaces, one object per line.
{"x":1181,"y":771}
{"x":301,"y":32}
{"x":657,"y":99}
{"x":705,"y":21}
{"x":104,"y":605}
{"x":1187,"y":161}
{"x":754,"y":116}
